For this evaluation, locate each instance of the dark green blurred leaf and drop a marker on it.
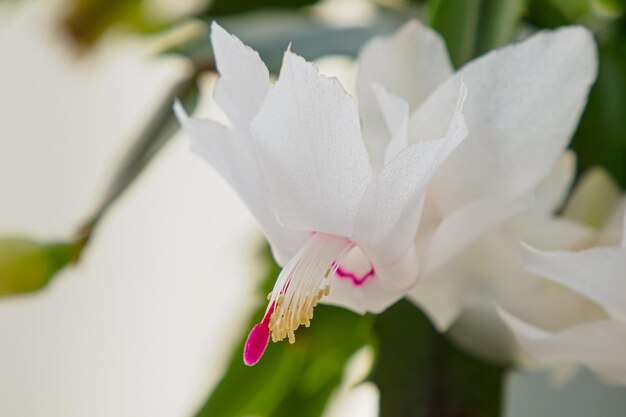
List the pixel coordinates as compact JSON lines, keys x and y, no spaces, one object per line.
{"x":421,"y":374}
{"x":471,"y":27}
{"x":27,"y":266}
{"x":601,"y":136}
{"x":293,"y":379}
{"x":544,"y":14}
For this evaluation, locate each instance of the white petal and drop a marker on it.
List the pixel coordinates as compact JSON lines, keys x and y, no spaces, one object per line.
{"x":593,"y":198}
{"x":523,"y":106}
{"x":463,"y":227}
{"x":363,"y":292}
{"x":373,"y":297}
{"x":410,"y":65}
{"x":244,"y":78}
{"x":552,"y":233}
{"x":389,"y":213}
{"x":553,"y":190}
{"x":596,"y":273}
{"x":230,"y":154}
{"x":311,"y":150}
{"x":395,"y":111}
{"x":600,"y":345}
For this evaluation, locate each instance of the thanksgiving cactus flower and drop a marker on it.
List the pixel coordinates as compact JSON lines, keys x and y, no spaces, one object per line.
{"x":296,"y":155}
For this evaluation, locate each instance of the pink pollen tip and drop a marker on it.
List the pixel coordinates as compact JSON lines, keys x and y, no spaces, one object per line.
{"x":256,"y":343}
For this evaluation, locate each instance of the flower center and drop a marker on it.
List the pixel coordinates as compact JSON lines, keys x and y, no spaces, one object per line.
{"x":299,"y":287}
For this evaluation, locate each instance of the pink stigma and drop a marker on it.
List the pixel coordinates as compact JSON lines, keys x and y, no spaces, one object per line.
{"x":257,"y":340}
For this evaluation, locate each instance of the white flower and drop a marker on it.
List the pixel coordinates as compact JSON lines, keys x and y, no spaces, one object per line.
{"x":599,"y":274}
{"x":334,"y":210}
{"x":296,"y":156}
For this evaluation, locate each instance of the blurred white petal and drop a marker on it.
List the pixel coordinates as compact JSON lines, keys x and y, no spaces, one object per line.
{"x":596,"y":273}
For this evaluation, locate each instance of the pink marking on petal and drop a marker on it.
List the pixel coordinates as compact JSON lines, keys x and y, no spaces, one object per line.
{"x":258,"y":338}
{"x":356,"y":280}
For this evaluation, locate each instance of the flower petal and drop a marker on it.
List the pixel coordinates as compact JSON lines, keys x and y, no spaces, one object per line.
{"x":374,"y":296}
{"x":311,"y":151}
{"x":230,"y":154}
{"x":389,"y":213}
{"x":463,"y":227}
{"x":244,"y":79}
{"x":395,"y":111}
{"x":599,"y":345}
{"x":523,"y":106}
{"x":391,"y":208}
{"x":596,"y":273}
{"x":365,"y":288}
{"x":410,"y":64}
{"x":552,"y":233}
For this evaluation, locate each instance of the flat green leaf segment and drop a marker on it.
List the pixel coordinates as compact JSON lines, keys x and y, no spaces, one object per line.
{"x":421,"y":374}
{"x":27,"y":266}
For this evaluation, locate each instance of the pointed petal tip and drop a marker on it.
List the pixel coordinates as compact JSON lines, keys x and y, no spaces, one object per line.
{"x":256,"y":344}
{"x":217,"y":29}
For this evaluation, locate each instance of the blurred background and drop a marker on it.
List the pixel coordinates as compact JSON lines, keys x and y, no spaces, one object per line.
{"x":140,"y":269}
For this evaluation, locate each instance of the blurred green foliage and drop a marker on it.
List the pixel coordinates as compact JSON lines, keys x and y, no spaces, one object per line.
{"x":26,"y":265}
{"x":421,"y":374}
